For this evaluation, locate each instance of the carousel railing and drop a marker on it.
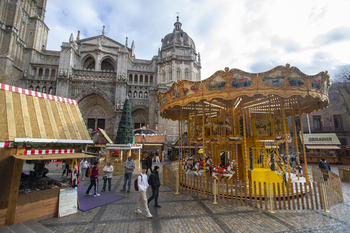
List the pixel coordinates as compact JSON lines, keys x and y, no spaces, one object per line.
{"x":270,"y":196}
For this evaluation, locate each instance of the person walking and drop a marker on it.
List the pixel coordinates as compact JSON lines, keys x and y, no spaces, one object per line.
{"x":142,"y":184}
{"x":83,"y":166}
{"x":149,"y":160}
{"x":129,"y":166}
{"x":108,"y":173}
{"x":155,"y":184}
{"x":157,"y":156}
{"x":326,"y":164}
{"x":65,"y":167}
{"x":93,"y":180}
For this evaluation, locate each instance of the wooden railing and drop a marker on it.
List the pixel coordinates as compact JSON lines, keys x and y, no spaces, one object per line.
{"x":344,"y":173}
{"x":270,"y":196}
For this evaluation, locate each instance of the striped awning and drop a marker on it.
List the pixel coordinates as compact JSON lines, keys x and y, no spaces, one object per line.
{"x":35,"y":117}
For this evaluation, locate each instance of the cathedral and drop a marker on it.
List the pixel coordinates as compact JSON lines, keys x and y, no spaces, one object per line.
{"x":98,"y":72}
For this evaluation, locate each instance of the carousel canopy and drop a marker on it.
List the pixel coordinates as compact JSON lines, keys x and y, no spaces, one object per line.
{"x":260,"y":93}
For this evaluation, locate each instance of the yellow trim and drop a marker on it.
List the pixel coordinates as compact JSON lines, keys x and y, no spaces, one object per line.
{"x":52,"y":119}
{"x":63,"y":120}
{"x":26,"y":118}
{"x":39,"y":117}
{"x":73,"y":122}
{"x":11,"y":124}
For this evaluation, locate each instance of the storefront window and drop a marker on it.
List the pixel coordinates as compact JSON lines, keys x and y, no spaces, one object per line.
{"x":338,"y":123}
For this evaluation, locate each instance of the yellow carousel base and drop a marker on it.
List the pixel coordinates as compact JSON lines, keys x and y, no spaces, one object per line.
{"x":265,"y":175}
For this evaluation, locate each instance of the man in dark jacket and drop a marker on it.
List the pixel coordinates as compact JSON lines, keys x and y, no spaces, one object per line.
{"x":155,"y":184}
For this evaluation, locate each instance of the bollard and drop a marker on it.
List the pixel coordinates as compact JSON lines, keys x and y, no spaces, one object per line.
{"x":177,"y":183}
{"x":215,"y":191}
{"x":270,"y":200}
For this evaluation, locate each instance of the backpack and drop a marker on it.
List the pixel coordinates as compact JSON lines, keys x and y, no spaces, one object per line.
{"x":90,"y":171}
{"x":136,"y":183}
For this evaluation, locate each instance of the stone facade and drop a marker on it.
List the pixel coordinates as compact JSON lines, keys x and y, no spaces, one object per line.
{"x":334,"y":119}
{"x":97,"y":71}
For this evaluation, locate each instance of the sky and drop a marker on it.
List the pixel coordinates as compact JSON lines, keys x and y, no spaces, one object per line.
{"x":250,"y":35}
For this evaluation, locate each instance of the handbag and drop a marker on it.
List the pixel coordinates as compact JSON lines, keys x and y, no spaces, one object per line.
{"x":104,"y":177}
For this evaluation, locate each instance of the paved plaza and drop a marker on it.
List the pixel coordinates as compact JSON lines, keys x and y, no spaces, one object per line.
{"x":182,"y":213}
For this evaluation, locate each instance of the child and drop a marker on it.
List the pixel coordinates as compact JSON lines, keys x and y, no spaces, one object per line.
{"x":143,"y":185}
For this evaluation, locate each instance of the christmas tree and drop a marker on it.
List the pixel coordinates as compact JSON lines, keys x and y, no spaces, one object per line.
{"x":125,"y":129}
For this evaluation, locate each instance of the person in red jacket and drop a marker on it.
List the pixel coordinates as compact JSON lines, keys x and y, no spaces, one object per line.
{"x":94,"y":180}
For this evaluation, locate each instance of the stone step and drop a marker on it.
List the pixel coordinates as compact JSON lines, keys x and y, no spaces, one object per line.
{"x":26,"y":227}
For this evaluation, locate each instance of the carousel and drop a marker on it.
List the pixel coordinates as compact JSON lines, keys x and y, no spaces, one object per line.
{"x":239,"y":120}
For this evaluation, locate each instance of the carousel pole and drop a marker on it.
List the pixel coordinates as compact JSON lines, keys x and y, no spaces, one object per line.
{"x":307,"y":177}
{"x":286,"y":140}
{"x":296,"y":141}
{"x":245,"y":150}
{"x":203,"y":132}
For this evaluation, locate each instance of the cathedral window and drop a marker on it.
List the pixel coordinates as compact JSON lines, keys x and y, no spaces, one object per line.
{"x":34,"y":71}
{"x":47,"y":71}
{"x":186,"y":74}
{"x":135,"y":94}
{"x":130,"y":94}
{"x":89,"y":63}
{"x":130,"y":78}
{"x":136,"y":79}
{"x":40,"y":71}
{"x":151,"y":79}
{"x":107,"y":65}
{"x":141,"y":78}
{"x":53,"y":73}
{"x":51,"y":91}
{"x":164,"y":77}
{"x":178,"y":75}
{"x":170,"y":75}
{"x":146,"y":79}
{"x":37,"y":89}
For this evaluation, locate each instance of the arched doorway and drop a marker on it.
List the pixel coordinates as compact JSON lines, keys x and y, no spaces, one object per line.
{"x":140,"y":118}
{"x":97,"y":113}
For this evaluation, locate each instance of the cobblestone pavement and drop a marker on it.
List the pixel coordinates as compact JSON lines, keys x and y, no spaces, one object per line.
{"x":182,"y":213}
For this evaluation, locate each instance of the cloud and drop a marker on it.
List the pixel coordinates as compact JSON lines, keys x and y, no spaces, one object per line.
{"x":333,"y":36}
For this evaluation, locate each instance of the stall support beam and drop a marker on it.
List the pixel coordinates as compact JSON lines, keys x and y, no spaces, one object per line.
{"x":14,"y":189}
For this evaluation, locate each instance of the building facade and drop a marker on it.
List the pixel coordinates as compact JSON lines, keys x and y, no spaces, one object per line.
{"x":97,"y":71}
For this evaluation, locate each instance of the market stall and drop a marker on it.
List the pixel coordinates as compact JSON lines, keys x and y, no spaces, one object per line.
{"x":322,"y":145}
{"x":37,"y":127}
{"x":151,"y":141}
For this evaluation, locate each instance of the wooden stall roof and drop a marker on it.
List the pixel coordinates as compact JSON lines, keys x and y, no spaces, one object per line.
{"x":99,"y":137}
{"x":30,"y":115}
{"x":321,"y":139}
{"x":148,"y":136}
{"x":53,"y":156}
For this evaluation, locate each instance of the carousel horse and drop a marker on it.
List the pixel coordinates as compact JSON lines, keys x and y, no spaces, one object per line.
{"x":187,"y":163}
{"x":224,"y":172}
{"x":197,"y":166}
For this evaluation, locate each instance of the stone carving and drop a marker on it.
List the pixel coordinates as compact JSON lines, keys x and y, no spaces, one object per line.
{"x":121,"y":77}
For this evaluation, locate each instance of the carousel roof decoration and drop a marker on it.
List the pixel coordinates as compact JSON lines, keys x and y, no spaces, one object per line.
{"x":259,"y":92}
